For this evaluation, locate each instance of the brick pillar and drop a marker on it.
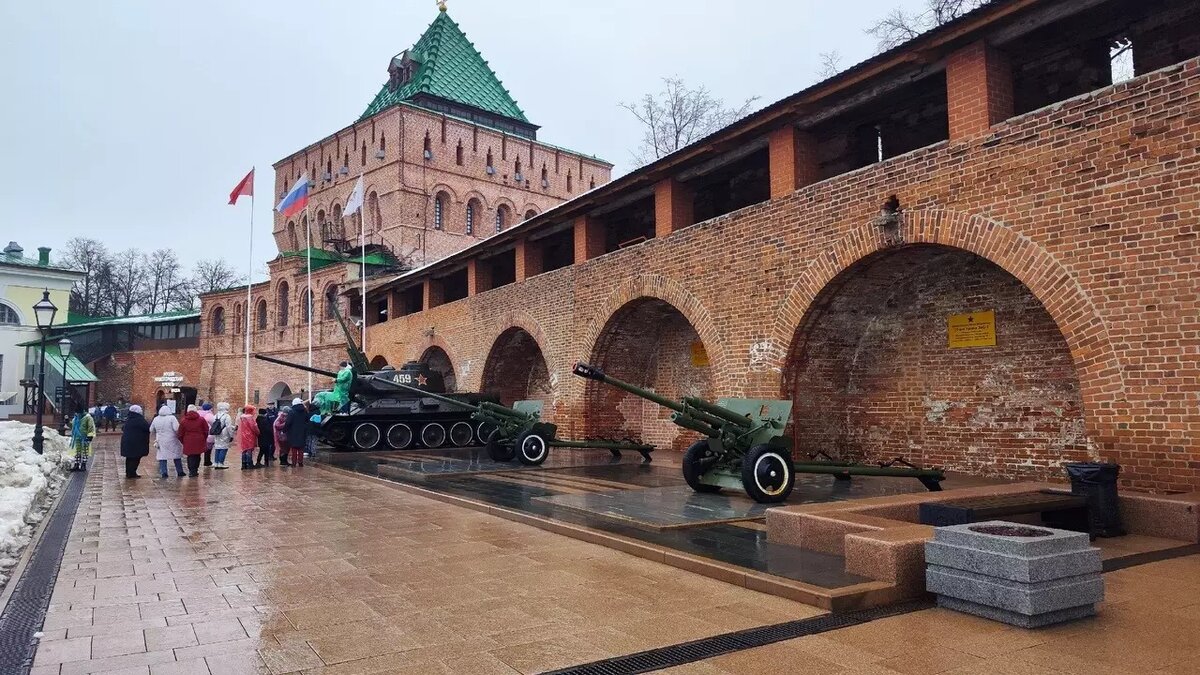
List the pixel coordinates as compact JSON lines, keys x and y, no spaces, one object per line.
{"x":529,"y":259}
{"x":589,"y":239}
{"x":979,"y":89}
{"x":433,"y":295}
{"x":479,"y":277}
{"x":672,"y":207}
{"x":793,"y":161}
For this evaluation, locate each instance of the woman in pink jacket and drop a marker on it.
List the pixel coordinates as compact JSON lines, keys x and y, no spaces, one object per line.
{"x":281,"y":435}
{"x":247,"y":430}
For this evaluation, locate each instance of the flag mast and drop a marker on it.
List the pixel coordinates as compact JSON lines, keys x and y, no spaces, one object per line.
{"x":308,"y":300}
{"x":246,"y":314}
{"x":362,"y":244}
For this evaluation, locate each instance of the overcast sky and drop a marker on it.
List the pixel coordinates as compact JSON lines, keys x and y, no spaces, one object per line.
{"x":131,"y":121}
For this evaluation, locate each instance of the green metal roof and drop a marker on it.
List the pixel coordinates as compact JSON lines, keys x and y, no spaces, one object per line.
{"x":322,"y":258}
{"x":448,"y":66}
{"x":79,"y":321}
{"x":22,"y":261}
{"x":76,"y":371}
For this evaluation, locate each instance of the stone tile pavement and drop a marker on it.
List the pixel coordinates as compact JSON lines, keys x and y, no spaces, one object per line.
{"x":304,"y":570}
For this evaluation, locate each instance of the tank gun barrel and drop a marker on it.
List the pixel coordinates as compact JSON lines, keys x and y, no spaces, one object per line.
{"x":298,"y":366}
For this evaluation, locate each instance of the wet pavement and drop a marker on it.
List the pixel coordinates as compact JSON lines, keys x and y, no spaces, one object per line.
{"x":305,"y":570}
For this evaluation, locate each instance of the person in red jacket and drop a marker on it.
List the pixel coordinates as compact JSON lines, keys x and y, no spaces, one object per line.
{"x":193,"y":432}
{"x":247,"y":431}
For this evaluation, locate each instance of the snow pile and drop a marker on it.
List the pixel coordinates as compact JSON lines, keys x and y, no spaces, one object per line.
{"x":28,"y":484}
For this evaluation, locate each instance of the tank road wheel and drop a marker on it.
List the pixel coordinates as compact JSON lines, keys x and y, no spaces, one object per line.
{"x":399,"y":436}
{"x":767,"y":474}
{"x":366,"y":436}
{"x":433,"y":435}
{"x":337,"y":434}
{"x":532,"y":449}
{"x":484,"y":432}
{"x":696,"y":460}
{"x":461,"y":434}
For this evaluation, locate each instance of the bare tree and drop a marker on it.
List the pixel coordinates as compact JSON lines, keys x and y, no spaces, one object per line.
{"x":213,"y":275}
{"x":679,"y":116}
{"x":900,"y":25}
{"x":164,"y":281}
{"x":831,"y":64}
{"x":122,"y":282}
{"x":88,"y":256}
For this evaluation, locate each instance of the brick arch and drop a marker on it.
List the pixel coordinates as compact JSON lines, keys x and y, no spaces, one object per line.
{"x":443,"y":187}
{"x":476,"y":194}
{"x":416,"y":351}
{"x":543,"y":374}
{"x":518,"y":318}
{"x":669,"y":291}
{"x":1050,"y":282}
{"x":505,"y":201}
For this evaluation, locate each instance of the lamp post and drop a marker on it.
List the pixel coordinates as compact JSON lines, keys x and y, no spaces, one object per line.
{"x":44,"y":312}
{"x":64,"y":348}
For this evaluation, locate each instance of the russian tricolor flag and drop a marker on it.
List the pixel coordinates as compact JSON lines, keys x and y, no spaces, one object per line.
{"x":295,"y":200}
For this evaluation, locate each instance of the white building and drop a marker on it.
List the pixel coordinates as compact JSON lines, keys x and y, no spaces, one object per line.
{"x":22,"y":281}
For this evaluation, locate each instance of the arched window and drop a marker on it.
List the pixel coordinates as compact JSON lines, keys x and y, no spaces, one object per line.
{"x":517,"y":171}
{"x":291,"y":233}
{"x":568,"y":180}
{"x":306,"y":308}
{"x":346,"y":159}
{"x":364,"y":153}
{"x":373,"y":211}
{"x":545,"y":177}
{"x":306,"y":233}
{"x":428,"y":147}
{"x":530,"y":213}
{"x":218,"y":321}
{"x":331,"y":302}
{"x":472,"y":209}
{"x":261,"y":315}
{"x":321,"y":218}
{"x":502,"y":217}
{"x":237,"y":319}
{"x":281,"y":309}
{"x":489,"y":158}
{"x":337,"y":225}
{"x":8,"y":316}
{"x":382,"y":142}
{"x":592,"y":183}
{"x":458,"y":154}
{"x":439,"y":210}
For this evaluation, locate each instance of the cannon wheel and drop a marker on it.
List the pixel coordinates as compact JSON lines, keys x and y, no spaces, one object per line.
{"x":433,"y":435}
{"x":696,"y":460}
{"x":366,"y":436}
{"x":497,"y":449}
{"x":531,"y":448}
{"x":461,"y":434}
{"x":399,"y":436}
{"x":767,"y":474}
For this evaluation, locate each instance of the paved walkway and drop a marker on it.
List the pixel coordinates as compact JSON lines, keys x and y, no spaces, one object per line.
{"x":312,"y":571}
{"x":287,"y":570}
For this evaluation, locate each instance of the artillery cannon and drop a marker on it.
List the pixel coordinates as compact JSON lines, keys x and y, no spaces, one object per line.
{"x":744,"y":446}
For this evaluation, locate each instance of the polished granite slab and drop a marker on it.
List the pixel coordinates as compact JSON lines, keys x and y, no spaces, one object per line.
{"x":419,"y":465}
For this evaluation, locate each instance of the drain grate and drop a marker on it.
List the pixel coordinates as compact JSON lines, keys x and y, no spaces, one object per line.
{"x":26,"y":609}
{"x":706,"y":648}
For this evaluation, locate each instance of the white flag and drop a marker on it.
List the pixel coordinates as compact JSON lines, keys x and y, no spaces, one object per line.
{"x":355,"y":200}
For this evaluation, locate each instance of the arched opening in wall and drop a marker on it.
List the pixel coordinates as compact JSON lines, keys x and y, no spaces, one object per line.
{"x":892,"y":358}
{"x":530,"y":214}
{"x":378,"y":362}
{"x":439,"y":361}
{"x":218,"y":321}
{"x":651,"y":344}
{"x":282,"y":308}
{"x":291,"y":235}
{"x":261,"y":315}
{"x":515,"y":370}
{"x":373,"y":212}
{"x":331,"y":302}
{"x":473,"y":211}
{"x":281,"y":394}
{"x":503,"y":217}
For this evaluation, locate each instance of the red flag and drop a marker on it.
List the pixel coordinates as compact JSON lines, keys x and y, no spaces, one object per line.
{"x":246,"y":187}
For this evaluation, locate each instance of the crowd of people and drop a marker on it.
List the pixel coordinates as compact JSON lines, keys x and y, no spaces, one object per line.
{"x":204,"y":436}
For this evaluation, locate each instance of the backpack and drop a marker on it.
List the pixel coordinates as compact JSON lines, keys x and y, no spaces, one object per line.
{"x":216,"y":427}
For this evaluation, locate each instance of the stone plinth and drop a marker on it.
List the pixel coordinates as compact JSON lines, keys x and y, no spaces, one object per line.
{"x":1018,"y":574}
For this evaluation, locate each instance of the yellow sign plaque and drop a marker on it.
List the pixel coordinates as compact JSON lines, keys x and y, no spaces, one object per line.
{"x":977,"y":329}
{"x":699,"y":354}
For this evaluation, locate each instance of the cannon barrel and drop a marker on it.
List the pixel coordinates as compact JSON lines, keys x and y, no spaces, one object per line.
{"x":594,"y":373}
{"x":688,"y":422}
{"x":502,"y":411}
{"x":298,"y":366}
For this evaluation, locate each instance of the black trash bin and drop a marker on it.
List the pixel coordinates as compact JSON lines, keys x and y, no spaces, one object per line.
{"x":1097,"y":482}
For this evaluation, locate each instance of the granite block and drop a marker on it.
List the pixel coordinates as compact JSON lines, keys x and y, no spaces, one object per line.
{"x":1055,"y":541}
{"x":1015,"y":618}
{"x":1015,"y":596}
{"x":1014,"y":567}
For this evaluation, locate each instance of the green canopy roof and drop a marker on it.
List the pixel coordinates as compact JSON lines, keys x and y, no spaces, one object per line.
{"x":449,"y":67}
{"x":76,"y":371}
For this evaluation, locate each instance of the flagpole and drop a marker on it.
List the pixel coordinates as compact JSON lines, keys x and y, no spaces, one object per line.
{"x":308,"y":253}
{"x":246,"y":314}
{"x":362,"y":243}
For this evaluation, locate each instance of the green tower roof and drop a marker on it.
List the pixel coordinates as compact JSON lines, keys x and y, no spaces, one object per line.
{"x":444,"y":64}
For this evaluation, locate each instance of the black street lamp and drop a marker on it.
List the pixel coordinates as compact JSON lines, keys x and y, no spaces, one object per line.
{"x":44,"y":312}
{"x":64,"y":348}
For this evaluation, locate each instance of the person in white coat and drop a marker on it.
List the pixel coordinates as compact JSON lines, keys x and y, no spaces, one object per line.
{"x":165,"y":431}
{"x":223,"y":439}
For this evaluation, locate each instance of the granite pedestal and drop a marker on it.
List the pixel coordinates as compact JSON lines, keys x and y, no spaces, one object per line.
{"x":1018,"y":574}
